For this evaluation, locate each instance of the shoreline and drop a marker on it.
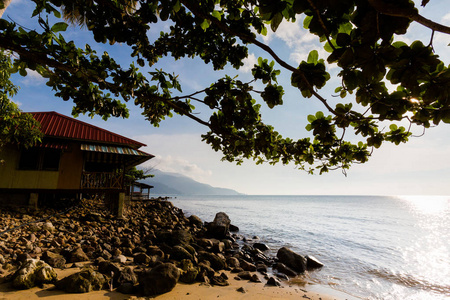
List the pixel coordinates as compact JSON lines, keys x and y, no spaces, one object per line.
{"x":180,"y":291}
{"x":289,"y":289}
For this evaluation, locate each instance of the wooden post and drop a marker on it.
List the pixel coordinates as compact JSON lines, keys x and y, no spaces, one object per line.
{"x":33,"y":201}
{"x":120,"y":205}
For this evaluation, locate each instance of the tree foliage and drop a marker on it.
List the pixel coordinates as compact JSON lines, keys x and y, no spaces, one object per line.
{"x":359,"y":36}
{"x":15,"y":126}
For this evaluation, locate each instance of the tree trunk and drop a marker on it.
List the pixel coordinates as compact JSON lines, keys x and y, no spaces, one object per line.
{"x":6,"y":3}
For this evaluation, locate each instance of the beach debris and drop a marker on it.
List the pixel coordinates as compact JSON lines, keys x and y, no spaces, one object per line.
{"x":33,"y":273}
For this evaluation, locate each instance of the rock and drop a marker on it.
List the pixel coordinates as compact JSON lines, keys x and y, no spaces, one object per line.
{"x":84,"y":281}
{"x":247,"y":266}
{"x":141,"y":258}
{"x":313,"y":263}
{"x":159,"y":280}
{"x":241,"y":290}
{"x":53,"y":259}
{"x":291,"y":259}
{"x":189,"y":273}
{"x":126,"y":275}
{"x":220,"y":226}
{"x":233,"y":262}
{"x":216,"y":261}
{"x":48,"y":226}
{"x":273,"y":281}
{"x":282,"y":268}
{"x":255,"y":278}
{"x":127,"y":288}
{"x":245,"y":275}
{"x":261,"y":246}
{"x":219,"y":280}
{"x":119,"y":258}
{"x":261,"y":267}
{"x":194,"y":220}
{"x":78,"y":255}
{"x":234,"y":228}
{"x":32,"y":273}
{"x":179,"y":253}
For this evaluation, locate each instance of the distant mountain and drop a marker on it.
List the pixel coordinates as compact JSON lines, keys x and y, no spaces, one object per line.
{"x":175,"y":184}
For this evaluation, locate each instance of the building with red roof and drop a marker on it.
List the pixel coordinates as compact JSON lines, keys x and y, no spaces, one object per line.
{"x":74,"y":158}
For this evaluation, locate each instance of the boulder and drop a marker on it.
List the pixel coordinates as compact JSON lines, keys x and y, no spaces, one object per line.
{"x":194,"y":220}
{"x":220,"y":226}
{"x":291,"y":259}
{"x":33,"y":273}
{"x":179,"y":253}
{"x":261,"y":246}
{"x":247,"y":266}
{"x":313,"y":263}
{"x":189,"y":273}
{"x":217,"y":261}
{"x":53,"y":259}
{"x":282,"y":268}
{"x":141,"y":258}
{"x":78,"y":255}
{"x":159,"y":280}
{"x":272,"y":281}
{"x":84,"y":281}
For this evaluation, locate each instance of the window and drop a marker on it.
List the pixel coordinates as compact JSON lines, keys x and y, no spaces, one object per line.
{"x":39,"y":159}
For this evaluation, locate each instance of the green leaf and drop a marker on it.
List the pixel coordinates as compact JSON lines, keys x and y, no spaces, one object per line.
{"x":60,"y":26}
{"x":205,"y":24}
{"x":216,"y":14}
{"x":313,"y":57}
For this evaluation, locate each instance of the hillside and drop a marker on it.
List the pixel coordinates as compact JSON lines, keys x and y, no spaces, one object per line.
{"x":175,"y":184}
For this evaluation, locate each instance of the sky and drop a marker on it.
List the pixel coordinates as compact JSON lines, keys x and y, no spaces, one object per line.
{"x":420,"y":167}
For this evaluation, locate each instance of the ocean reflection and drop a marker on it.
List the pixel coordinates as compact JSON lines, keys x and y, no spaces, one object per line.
{"x":430,"y":205}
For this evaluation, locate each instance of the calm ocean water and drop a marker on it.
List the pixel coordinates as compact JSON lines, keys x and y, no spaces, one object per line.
{"x":373,"y":247}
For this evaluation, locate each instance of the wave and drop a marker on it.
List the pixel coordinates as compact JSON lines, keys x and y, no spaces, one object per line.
{"x":409,"y":280}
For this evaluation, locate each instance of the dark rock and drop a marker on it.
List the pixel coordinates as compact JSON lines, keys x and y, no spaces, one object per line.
{"x":220,"y":226}
{"x":232,"y":262}
{"x":234,"y":228}
{"x":261,"y":246}
{"x":179,"y":253}
{"x":282,"y":268}
{"x":189,"y":273}
{"x":194,"y":220}
{"x":127,"y":275}
{"x":127,"y":288}
{"x":78,"y":255}
{"x":53,"y":259}
{"x":291,"y":259}
{"x":219,"y":280}
{"x":110,"y":269}
{"x":255,"y":278}
{"x":247,"y":266}
{"x":261,"y":267}
{"x":159,"y":280}
{"x":141,"y":258}
{"x":33,"y":273}
{"x":312,"y":262}
{"x":241,"y":290}
{"x":216,"y":261}
{"x":273,"y":281}
{"x":84,"y":281}
{"x":245,"y":275}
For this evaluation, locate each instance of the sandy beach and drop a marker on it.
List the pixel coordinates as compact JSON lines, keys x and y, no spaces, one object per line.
{"x":195,"y":291}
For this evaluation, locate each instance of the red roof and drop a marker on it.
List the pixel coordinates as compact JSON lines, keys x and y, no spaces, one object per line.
{"x":54,"y":124}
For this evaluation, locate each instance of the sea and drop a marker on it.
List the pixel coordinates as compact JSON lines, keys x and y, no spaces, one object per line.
{"x":372,"y":247}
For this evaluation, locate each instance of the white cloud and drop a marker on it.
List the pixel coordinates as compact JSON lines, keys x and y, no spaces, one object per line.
{"x":33,"y":78}
{"x":446,"y":19}
{"x":249,"y":62}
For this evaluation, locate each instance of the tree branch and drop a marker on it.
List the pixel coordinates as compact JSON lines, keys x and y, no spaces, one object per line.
{"x":413,"y":15}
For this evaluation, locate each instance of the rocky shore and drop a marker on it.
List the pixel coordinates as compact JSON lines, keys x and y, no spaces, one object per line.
{"x":144,"y":254}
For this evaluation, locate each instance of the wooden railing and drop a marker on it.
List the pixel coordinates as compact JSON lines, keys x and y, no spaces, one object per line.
{"x":101,"y":180}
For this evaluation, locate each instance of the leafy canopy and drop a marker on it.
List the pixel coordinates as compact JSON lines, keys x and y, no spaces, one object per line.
{"x":15,"y":127}
{"x":357,"y":34}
